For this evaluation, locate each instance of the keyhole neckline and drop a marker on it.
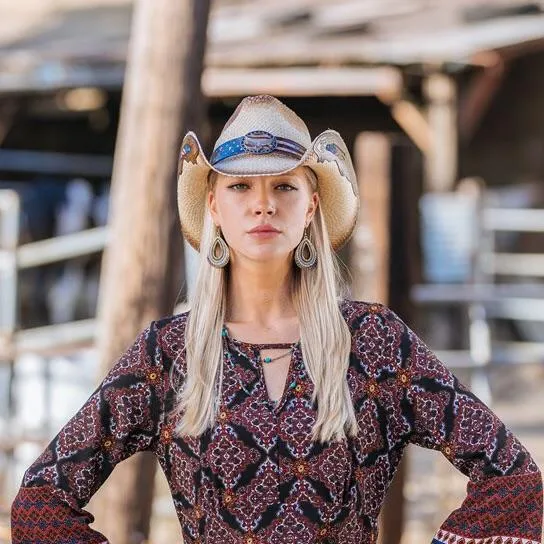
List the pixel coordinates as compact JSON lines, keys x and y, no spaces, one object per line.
{"x":258,"y":346}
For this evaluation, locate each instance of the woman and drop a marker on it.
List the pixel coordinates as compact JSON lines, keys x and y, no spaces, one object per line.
{"x":278,"y":409}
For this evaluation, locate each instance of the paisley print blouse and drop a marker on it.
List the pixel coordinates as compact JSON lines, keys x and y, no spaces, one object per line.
{"x":257,"y":477}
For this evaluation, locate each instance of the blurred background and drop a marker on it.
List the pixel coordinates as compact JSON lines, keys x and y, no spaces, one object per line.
{"x":442,"y":106}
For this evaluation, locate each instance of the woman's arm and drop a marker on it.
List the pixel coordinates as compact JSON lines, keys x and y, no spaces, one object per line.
{"x":120,"y":418}
{"x":504,"y":494}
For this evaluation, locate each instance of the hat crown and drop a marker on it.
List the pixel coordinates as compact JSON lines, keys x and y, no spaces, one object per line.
{"x":265,"y":113}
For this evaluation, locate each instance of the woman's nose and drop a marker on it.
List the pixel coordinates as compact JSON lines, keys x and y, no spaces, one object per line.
{"x":264,"y":204}
{"x":265,"y":209}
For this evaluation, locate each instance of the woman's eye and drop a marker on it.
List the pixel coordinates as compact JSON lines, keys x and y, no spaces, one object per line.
{"x":238,"y":186}
{"x":286,"y":187}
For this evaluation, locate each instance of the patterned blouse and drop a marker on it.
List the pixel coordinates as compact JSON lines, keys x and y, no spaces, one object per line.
{"x":257,"y":477}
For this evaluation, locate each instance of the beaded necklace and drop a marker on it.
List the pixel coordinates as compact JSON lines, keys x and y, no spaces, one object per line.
{"x":265,"y":360}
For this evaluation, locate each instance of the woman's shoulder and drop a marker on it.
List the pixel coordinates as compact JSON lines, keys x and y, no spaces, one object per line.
{"x":170,"y":335}
{"x":356,"y":312}
{"x":175,"y":321}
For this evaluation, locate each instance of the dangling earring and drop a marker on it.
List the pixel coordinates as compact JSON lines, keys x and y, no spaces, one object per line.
{"x":218,"y":254}
{"x":305,"y":254}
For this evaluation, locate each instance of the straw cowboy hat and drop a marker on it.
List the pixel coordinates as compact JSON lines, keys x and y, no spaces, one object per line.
{"x":265,"y":137}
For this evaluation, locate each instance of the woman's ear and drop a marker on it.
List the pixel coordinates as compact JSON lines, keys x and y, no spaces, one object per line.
{"x":312,"y":207}
{"x":212,"y":205}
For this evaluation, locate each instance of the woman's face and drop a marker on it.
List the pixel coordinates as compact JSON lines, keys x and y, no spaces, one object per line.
{"x":263,"y":218}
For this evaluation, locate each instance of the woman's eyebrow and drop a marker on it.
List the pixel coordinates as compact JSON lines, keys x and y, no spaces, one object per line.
{"x":286,"y":177}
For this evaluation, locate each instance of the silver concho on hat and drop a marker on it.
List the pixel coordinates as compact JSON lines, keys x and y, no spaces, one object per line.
{"x":259,"y":142}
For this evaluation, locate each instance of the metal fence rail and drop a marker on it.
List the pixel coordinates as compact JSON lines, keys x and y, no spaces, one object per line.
{"x":14,"y":257}
{"x":9,"y":236}
{"x":46,"y":341}
{"x":513,"y":220}
{"x":485,"y":299}
{"x":62,"y":248}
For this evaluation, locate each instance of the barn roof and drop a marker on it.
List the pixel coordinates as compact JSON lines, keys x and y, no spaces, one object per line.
{"x":356,"y":43}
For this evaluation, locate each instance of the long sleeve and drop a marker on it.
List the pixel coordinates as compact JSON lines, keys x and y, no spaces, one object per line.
{"x":504,"y":493}
{"x":120,"y":418}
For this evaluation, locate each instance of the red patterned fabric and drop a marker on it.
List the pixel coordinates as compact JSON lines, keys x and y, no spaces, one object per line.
{"x":257,"y":477}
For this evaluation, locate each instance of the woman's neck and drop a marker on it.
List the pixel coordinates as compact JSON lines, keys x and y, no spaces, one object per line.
{"x":259,"y":293}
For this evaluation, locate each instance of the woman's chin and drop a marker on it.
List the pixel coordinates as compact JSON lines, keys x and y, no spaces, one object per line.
{"x":266,"y":255}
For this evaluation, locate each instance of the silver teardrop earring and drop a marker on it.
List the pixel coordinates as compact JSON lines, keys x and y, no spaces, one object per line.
{"x":305,"y":254}
{"x":218,"y":254}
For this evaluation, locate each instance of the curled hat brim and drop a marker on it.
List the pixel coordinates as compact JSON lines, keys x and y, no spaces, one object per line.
{"x":327,"y":156}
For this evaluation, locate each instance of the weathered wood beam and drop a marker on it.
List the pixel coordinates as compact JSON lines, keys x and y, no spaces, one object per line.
{"x":481,"y":92}
{"x":48,"y":162}
{"x":411,"y":119}
{"x":341,"y":16}
{"x":220,"y":82}
{"x":300,"y":46}
{"x":301,"y":81}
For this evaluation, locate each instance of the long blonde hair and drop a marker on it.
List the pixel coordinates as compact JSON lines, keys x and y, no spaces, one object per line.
{"x":324,"y":334}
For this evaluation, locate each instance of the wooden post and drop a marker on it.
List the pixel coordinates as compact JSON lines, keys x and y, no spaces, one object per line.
{"x":370,"y":261}
{"x":370,"y":246}
{"x":142,"y":266}
{"x":441,"y":166}
{"x":404,"y":273}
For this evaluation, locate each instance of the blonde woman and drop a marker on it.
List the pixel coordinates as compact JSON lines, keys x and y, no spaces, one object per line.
{"x":278,"y":409}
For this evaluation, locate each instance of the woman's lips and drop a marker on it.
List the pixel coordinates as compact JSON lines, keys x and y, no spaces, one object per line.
{"x":264,"y":231}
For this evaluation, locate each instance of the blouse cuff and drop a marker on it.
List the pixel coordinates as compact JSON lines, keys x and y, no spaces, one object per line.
{"x":445,"y":537}
{"x":497,"y":510}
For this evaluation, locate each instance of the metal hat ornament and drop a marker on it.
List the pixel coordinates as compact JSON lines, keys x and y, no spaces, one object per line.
{"x":264,"y":137}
